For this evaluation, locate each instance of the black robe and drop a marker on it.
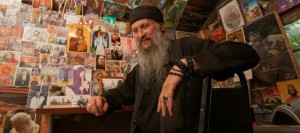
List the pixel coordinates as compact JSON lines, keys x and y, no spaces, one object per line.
{"x":219,"y":60}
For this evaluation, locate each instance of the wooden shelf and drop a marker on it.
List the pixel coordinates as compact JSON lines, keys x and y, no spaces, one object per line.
{"x":77,"y":110}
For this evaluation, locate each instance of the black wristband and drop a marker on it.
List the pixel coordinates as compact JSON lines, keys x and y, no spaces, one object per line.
{"x":171,"y":73}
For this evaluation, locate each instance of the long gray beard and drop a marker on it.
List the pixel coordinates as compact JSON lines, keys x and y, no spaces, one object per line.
{"x":152,"y":60}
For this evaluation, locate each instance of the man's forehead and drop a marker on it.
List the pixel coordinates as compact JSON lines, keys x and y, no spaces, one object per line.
{"x":140,"y":22}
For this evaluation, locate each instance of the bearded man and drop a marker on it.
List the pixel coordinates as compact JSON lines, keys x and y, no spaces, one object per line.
{"x":165,"y":86}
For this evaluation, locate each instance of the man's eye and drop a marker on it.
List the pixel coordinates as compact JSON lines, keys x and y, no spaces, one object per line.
{"x":145,"y":26}
{"x":135,"y":30}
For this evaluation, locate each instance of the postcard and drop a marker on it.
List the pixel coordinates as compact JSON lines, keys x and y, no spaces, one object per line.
{"x":289,"y":90}
{"x":81,"y":80}
{"x":39,"y":35}
{"x":22,"y":77}
{"x":65,"y":76}
{"x":10,"y":57}
{"x":28,"y":61}
{"x":27,"y":48}
{"x":7,"y":74}
{"x":79,"y":38}
{"x":37,"y":97}
{"x":13,"y":44}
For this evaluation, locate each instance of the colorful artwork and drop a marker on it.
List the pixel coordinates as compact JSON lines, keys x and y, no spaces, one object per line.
{"x":289,"y":90}
{"x":79,"y":38}
{"x":236,"y":36}
{"x":9,"y":57}
{"x":7,"y":74}
{"x":251,"y":10}
{"x":65,"y":75}
{"x":81,"y":80}
{"x":231,"y":16}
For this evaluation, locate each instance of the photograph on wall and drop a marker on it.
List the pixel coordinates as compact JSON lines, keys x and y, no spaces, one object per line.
{"x":251,"y":10}
{"x":65,"y":75}
{"x":37,"y":97}
{"x":97,"y":84}
{"x":7,"y":74}
{"x":111,"y":83}
{"x":172,"y":13}
{"x":29,"y":61}
{"x":13,"y":43}
{"x":284,"y":5}
{"x":236,"y":36}
{"x":49,"y":74}
{"x":22,"y":77}
{"x":39,"y":35}
{"x":271,"y":94}
{"x":289,"y":90}
{"x":90,"y":60}
{"x":9,"y":57}
{"x":231,"y":16}
{"x":27,"y":48}
{"x":100,"y":62}
{"x":76,"y":58}
{"x":112,"y":64}
{"x":268,"y":6}
{"x":79,"y":38}
{"x":100,"y":42}
{"x":35,"y":80}
{"x":276,"y":65}
{"x":81,"y":80}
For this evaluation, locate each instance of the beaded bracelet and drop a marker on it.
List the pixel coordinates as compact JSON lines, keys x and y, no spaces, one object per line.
{"x":183,"y":68}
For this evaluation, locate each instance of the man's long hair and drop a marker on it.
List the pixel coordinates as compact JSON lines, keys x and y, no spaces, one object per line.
{"x":152,"y":60}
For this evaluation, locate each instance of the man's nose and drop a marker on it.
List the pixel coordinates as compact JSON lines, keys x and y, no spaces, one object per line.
{"x":140,"y":34}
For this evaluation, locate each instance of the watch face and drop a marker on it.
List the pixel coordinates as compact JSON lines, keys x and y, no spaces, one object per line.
{"x":232,"y":17}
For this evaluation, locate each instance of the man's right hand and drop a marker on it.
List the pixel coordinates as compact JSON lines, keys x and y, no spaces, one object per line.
{"x":97,"y":105}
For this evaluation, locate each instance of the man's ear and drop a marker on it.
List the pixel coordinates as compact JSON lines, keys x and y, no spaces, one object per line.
{"x":162,"y":27}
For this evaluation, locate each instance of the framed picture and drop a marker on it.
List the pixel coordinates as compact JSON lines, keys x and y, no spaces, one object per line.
{"x":284,"y":5}
{"x":231,"y":16}
{"x":266,"y":37}
{"x":236,"y":36}
{"x":289,"y":90}
{"x":111,"y":83}
{"x":251,"y":10}
{"x":79,"y":38}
